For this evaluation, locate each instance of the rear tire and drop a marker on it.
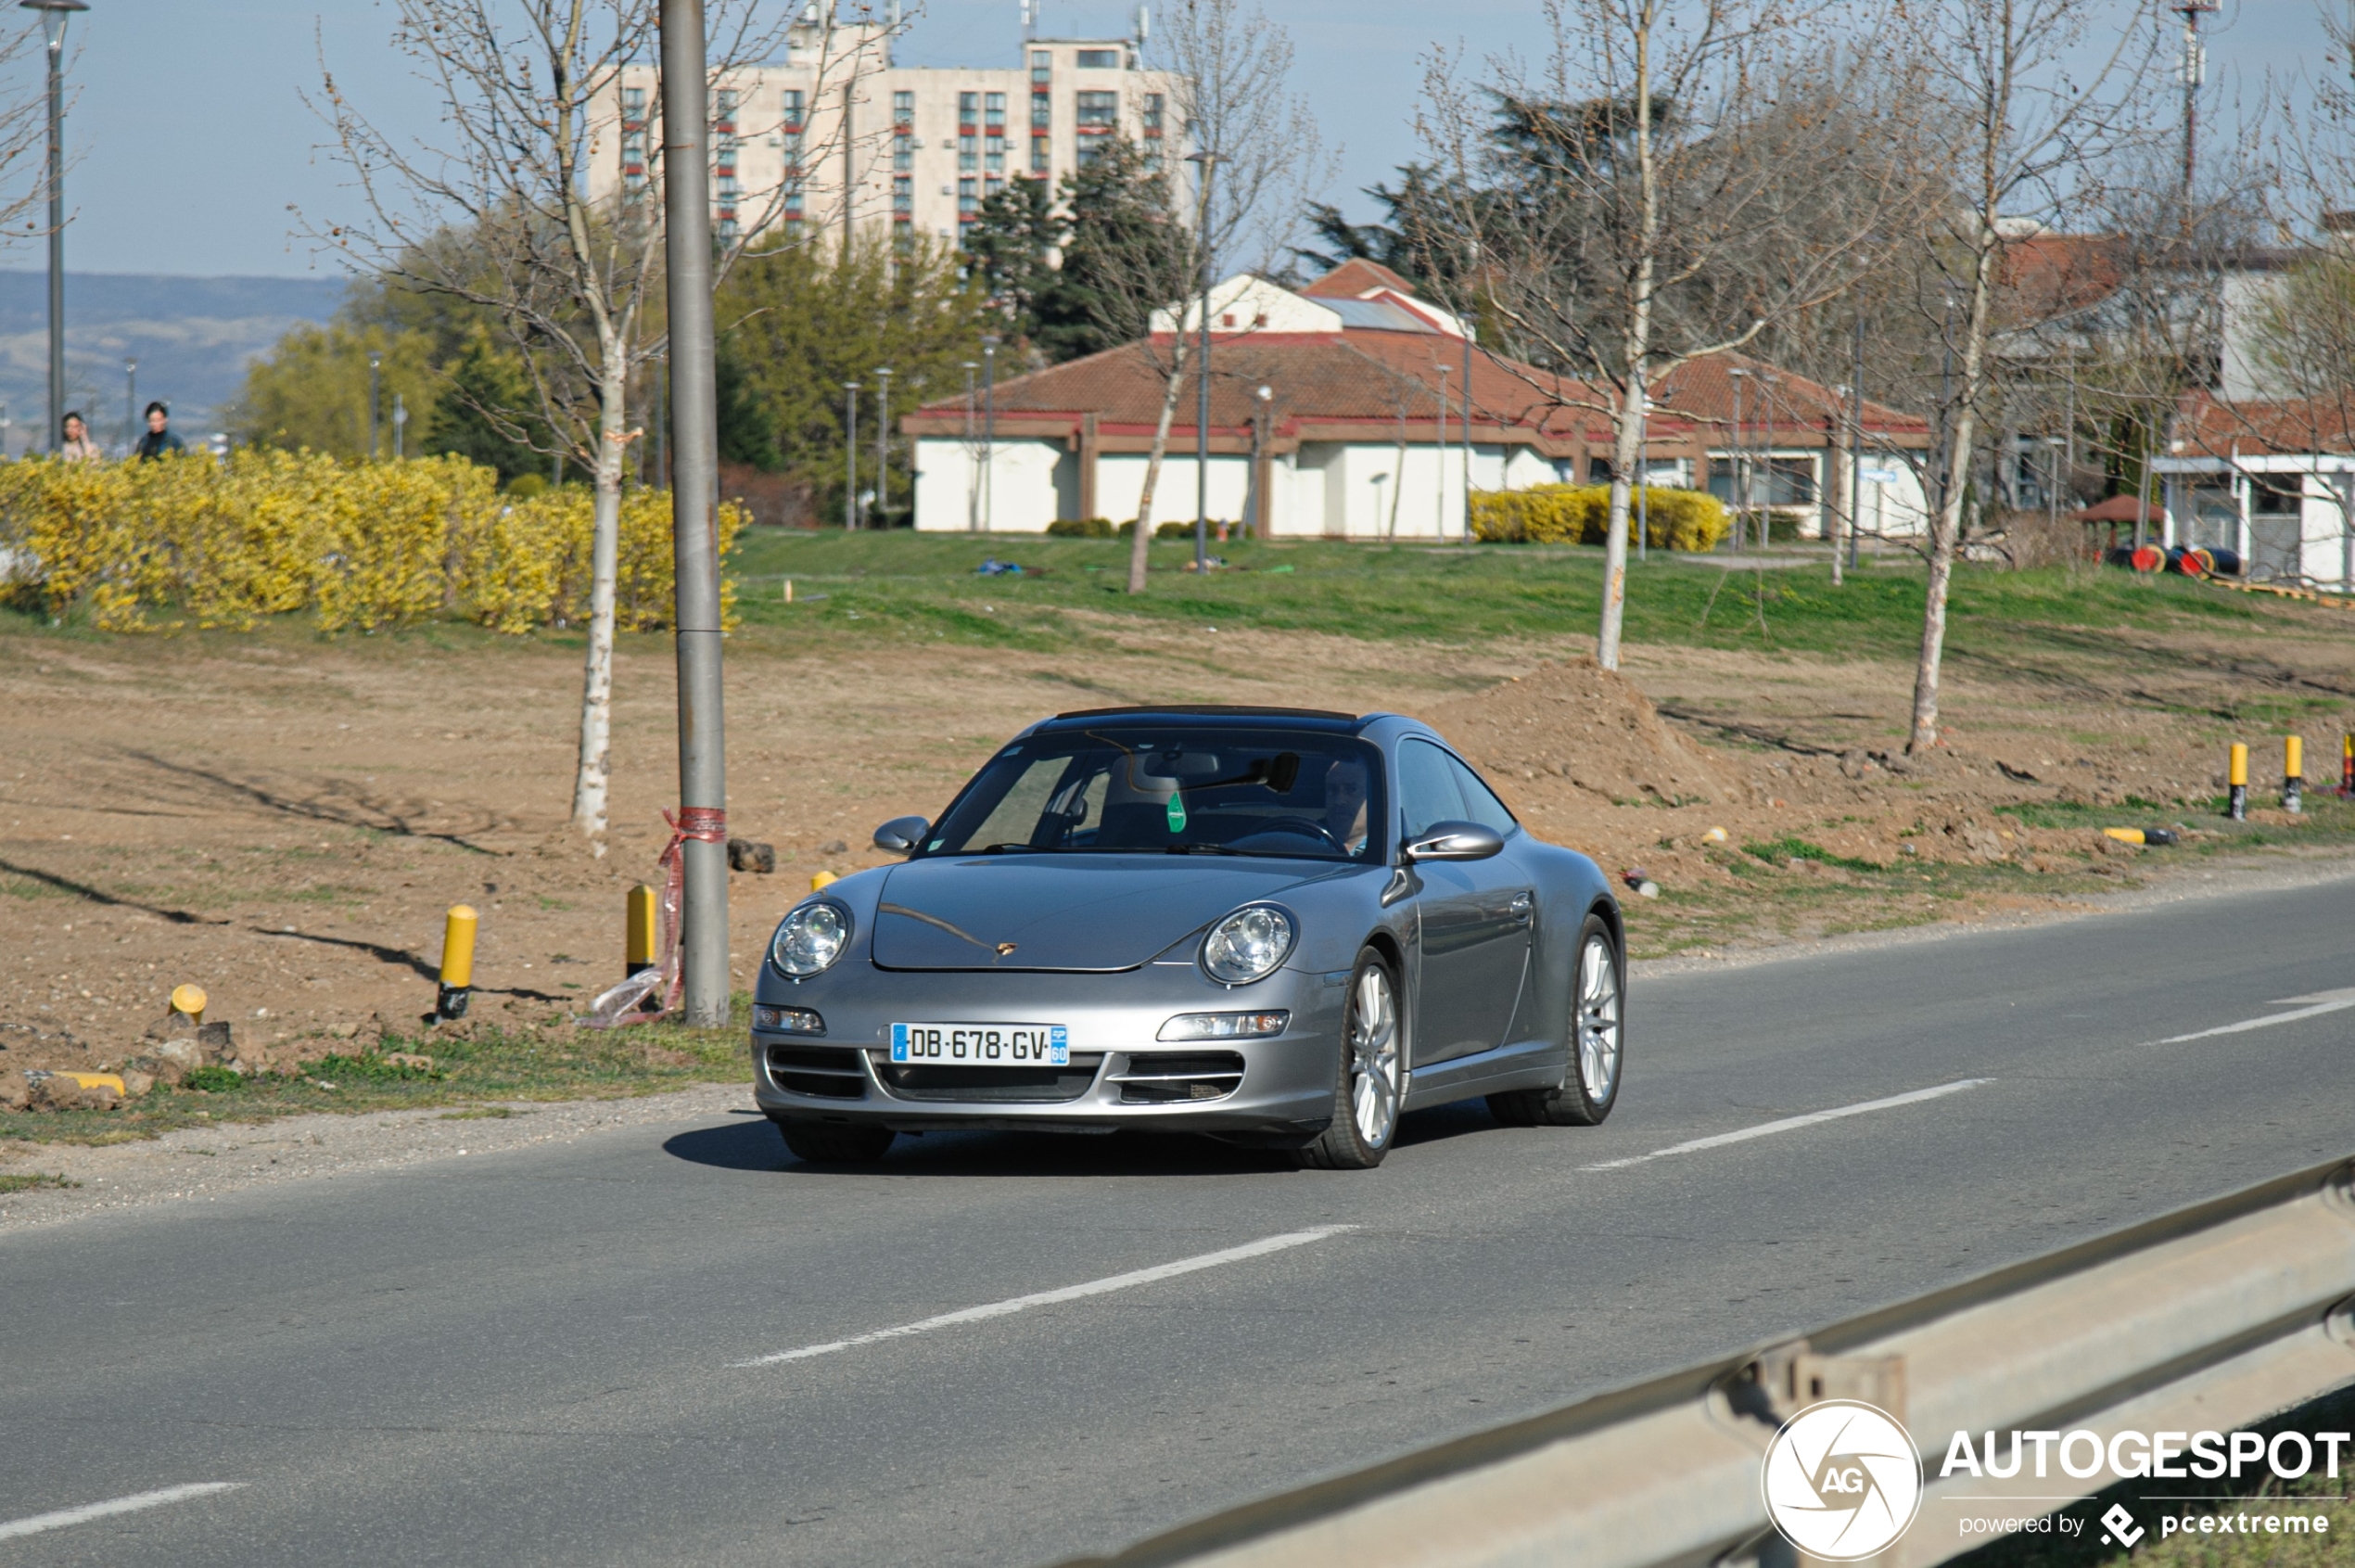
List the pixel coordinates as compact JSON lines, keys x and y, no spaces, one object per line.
{"x":1369,"y":1076}
{"x":1598,"y":1044}
{"x":826,"y":1145}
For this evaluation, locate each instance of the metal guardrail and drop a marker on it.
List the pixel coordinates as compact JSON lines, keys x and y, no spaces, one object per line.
{"x":2212,"y":1318}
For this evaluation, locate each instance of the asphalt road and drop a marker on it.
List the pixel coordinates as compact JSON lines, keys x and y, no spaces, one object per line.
{"x":540,"y":1356}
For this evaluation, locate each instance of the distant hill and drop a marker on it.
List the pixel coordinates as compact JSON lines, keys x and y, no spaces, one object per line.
{"x":193,"y":338}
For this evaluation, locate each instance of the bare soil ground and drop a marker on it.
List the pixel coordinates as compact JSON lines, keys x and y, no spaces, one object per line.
{"x":283,"y":820}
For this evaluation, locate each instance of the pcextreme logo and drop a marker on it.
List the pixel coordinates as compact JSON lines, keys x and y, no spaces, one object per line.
{"x":1842,"y":1480}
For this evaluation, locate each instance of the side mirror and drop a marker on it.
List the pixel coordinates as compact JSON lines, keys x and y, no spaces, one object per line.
{"x":1456,"y":841}
{"x":901,"y":835}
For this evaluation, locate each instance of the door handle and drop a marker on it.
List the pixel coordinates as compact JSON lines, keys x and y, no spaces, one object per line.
{"x":1520,"y":906}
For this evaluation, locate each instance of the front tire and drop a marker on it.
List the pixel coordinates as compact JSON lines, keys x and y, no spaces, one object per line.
{"x":1369,"y":1080}
{"x":1597,"y":1040}
{"x":826,"y":1145}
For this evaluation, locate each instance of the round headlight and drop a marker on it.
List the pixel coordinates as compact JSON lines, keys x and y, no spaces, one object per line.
{"x":1248,"y":945}
{"x":810,"y":939}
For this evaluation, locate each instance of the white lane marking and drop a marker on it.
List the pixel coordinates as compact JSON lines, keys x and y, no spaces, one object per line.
{"x":1789,"y":1124}
{"x":63,"y":1517}
{"x":2323,"y":1002}
{"x":1260,"y":1248}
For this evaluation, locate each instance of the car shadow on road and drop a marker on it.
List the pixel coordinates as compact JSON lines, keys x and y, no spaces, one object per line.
{"x":750,"y":1144}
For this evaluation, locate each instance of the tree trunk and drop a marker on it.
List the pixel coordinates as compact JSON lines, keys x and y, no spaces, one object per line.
{"x":1946,"y":528}
{"x":1142,"y":543}
{"x":1627,"y":442}
{"x":593,"y":779}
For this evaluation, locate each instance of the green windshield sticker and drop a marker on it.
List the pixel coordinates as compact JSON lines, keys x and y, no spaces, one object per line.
{"x":1177,"y":813}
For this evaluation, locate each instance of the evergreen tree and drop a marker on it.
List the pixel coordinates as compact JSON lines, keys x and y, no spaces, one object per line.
{"x":746,"y":434}
{"x":479,"y":413}
{"x":1122,"y":250}
{"x":1009,"y":251}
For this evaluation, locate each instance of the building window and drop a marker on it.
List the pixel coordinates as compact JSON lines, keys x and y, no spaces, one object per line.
{"x":1099,"y":112}
{"x":994,"y":155}
{"x":726,"y":228}
{"x":1042,"y":110}
{"x":728,"y":190}
{"x":1100,"y":60}
{"x":903,"y":198}
{"x":723,"y":156}
{"x":968,"y":109}
{"x":634,"y":105}
{"x":968,"y":154}
{"x":794,"y":105}
{"x":725,"y":104}
{"x":1042,"y":67}
{"x":1157,"y":113}
{"x":968,"y":199}
{"x":903,"y":153}
{"x":903,"y":109}
{"x":1040,"y":162}
{"x":994,"y":113}
{"x":1091,"y":149}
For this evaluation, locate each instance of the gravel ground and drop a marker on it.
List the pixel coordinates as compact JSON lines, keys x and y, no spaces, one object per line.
{"x":198,"y":1165}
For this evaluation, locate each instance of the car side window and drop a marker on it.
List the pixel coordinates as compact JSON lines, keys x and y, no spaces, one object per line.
{"x":1427,"y":791}
{"x":1481,"y":804}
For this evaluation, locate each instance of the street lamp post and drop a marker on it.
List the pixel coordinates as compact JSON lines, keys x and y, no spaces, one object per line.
{"x":972,"y":475}
{"x":400,"y":428}
{"x":1207,"y":160}
{"x":375,"y":361}
{"x":850,"y":457}
{"x":1741,"y":486}
{"x":55,"y":14}
{"x":990,"y":433}
{"x":1263,"y":522}
{"x":883,"y":442}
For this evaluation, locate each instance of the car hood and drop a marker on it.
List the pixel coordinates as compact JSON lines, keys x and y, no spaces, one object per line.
{"x":1065,"y":912}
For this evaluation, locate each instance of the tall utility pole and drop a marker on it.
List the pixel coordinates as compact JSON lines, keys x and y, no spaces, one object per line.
{"x":695,"y":419}
{"x":1467,"y":418}
{"x":1856,"y":450}
{"x":1206,"y":162}
{"x":55,"y":14}
{"x":376,"y":363}
{"x":1740,"y":475}
{"x":883,"y":442}
{"x":973,"y":473}
{"x":1439,"y":457}
{"x":2194,"y":71}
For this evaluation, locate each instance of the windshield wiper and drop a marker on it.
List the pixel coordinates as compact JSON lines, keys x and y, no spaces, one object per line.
{"x":1011,"y":850}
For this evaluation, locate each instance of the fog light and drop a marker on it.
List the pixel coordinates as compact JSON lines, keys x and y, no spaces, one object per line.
{"x":788,"y":1020}
{"x":1224,"y":1025}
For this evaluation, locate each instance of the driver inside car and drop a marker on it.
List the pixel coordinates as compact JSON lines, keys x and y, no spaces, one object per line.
{"x":1345,"y":815}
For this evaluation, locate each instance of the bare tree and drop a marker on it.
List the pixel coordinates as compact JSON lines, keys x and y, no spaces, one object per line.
{"x":1680,"y":176}
{"x":2027,"y":133}
{"x":1258,"y":159}
{"x":497,"y":212}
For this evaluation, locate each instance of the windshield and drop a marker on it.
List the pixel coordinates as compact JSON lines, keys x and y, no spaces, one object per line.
{"x":1177,"y":791}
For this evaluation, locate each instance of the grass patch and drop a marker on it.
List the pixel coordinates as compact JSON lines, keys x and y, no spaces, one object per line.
{"x":559,"y":1064}
{"x":482,"y":1112}
{"x":1776,"y":851}
{"x":33,"y":1181}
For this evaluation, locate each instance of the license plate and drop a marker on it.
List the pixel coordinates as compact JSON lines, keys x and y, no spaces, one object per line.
{"x":981,"y":1045}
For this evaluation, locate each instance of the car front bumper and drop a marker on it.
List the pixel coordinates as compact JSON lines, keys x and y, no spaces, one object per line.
{"x":1121,"y":1074}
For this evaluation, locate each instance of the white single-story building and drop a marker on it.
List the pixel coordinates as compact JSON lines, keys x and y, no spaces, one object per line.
{"x":1340,"y":411}
{"x":2272,"y":481}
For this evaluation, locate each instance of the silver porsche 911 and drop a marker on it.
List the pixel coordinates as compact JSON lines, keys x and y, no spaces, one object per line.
{"x":1276,"y":926}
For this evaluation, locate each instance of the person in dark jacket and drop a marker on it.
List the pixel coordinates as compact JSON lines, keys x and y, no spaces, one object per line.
{"x":158,"y":439}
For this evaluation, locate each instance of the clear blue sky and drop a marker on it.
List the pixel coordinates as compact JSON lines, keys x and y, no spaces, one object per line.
{"x":192,"y":140}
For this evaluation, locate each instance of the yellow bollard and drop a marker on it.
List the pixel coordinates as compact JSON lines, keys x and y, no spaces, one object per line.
{"x":2237,"y":777}
{"x":457,"y":961}
{"x":189,"y":999}
{"x":2293,"y":773}
{"x":821,"y":879}
{"x":639,"y":943}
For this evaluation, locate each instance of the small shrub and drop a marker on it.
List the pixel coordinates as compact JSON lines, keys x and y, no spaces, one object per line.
{"x":1084,"y":527}
{"x":212,"y":1080}
{"x":1678,"y":519}
{"x":1176,"y":528}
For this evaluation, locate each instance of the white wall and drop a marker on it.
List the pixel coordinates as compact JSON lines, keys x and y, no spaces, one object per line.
{"x":1019,"y":495}
{"x":1120,"y":484}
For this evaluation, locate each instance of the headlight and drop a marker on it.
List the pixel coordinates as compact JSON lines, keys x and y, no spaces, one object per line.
{"x":1248,"y":945}
{"x":1216,"y":1025}
{"x":810,"y":939}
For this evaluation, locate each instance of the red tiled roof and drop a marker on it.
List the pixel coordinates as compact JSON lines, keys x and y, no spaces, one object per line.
{"x":2209,"y":426}
{"x":1702,"y":390}
{"x":1354,"y":279}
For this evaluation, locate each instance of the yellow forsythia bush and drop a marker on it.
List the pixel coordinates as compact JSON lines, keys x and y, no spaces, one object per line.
{"x":360,"y":546}
{"x":1680,"y":519}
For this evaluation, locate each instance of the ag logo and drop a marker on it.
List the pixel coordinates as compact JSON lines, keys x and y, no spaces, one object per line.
{"x":1842,"y":1480}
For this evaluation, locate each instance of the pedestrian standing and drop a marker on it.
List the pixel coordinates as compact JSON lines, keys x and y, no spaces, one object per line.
{"x":158,"y":439}
{"x":78,"y":447}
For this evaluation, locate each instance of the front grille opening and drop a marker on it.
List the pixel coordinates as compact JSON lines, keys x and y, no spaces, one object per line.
{"x":1174,"y":1078}
{"x":824,"y":1071}
{"x":1002,"y":1085}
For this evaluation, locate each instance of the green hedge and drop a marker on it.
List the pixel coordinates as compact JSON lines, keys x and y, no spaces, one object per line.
{"x":1679,"y":520}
